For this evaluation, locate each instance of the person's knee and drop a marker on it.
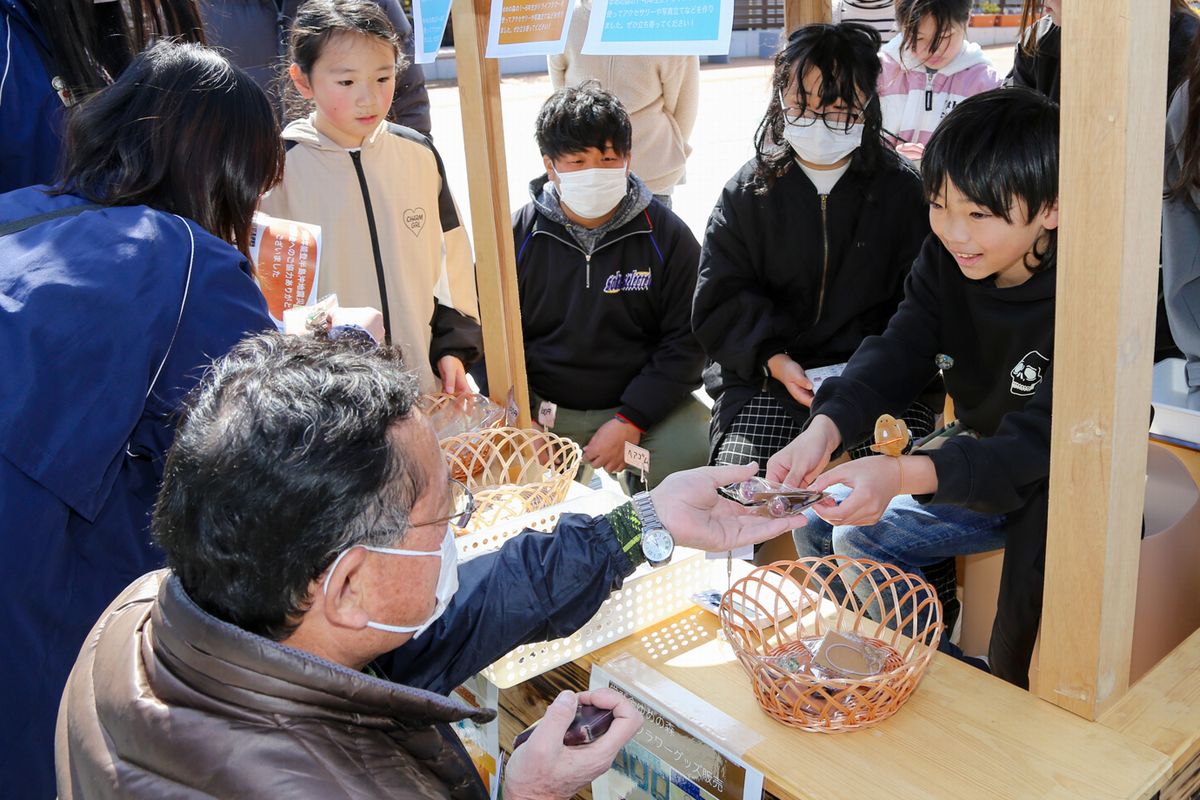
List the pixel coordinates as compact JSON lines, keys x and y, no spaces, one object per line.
{"x":815,"y":538}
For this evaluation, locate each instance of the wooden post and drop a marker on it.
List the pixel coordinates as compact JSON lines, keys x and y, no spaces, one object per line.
{"x":487,"y":178}
{"x":1113,"y":101}
{"x":797,"y":13}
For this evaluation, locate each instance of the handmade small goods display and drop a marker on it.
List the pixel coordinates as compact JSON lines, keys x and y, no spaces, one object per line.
{"x":511,"y":471}
{"x":891,"y":436}
{"x":836,"y":668}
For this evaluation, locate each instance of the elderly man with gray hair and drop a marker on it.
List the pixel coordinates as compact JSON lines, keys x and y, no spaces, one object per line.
{"x":314,"y":616}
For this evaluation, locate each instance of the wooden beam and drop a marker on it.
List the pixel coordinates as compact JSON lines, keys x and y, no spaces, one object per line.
{"x":798,"y":13}
{"x":1113,"y":100}
{"x":491,"y":219}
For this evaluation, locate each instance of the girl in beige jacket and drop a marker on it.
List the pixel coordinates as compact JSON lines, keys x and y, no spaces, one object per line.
{"x":660,"y":93}
{"x":390,"y":230}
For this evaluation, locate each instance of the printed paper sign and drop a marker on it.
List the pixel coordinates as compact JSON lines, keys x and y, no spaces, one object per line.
{"x":482,"y":741}
{"x":528,"y":27}
{"x":429,"y":27}
{"x":659,"y":27}
{"x":287,"y":258}
{"x":667,"y":760}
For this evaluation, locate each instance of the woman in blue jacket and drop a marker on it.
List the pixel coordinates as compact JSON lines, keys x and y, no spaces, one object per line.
{"x":117,"y":287}
{"x":54,"y":54}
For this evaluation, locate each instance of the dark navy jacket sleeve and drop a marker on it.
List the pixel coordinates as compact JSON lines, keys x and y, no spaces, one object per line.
{"x":537,"y":587}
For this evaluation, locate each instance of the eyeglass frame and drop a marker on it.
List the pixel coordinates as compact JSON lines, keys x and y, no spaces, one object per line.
{"x":463,"y":517}
{"x":802,"y":121}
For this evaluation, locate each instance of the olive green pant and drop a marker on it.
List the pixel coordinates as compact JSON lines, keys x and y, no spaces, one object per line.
{"x":678,"y":442}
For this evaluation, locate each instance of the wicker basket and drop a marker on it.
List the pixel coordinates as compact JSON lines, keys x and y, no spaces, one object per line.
{"x":832,"y":705}
{"x":511,"y":471}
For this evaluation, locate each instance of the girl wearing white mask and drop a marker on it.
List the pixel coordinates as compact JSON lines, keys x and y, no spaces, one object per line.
{"x":809,"y":244}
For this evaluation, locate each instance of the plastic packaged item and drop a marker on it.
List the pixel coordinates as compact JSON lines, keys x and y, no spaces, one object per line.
{"x":774,"y":499}
{"x":453,"y":416}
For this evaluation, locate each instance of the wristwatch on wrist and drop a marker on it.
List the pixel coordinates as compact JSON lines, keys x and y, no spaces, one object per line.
{"x":657,"y":542}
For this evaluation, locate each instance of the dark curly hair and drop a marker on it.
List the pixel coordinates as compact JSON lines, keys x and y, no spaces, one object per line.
{"x":285,"y":456}
{"x":846,"y":57}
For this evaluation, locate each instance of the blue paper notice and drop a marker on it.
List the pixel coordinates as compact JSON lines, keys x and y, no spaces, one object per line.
{"x":429,"y":22}
{"x":659,"y":27}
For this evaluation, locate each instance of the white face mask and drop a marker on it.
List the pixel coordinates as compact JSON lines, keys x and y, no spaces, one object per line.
{"x":592,"y":193}
{"x":817,"y":144}
{"x":447,"y":583}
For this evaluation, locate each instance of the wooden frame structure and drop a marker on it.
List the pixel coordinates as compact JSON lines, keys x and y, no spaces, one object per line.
{"x":1114,"y":61}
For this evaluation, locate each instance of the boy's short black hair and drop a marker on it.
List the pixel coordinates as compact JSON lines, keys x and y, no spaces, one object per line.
{"x":575,"y":118}
{"x":945,"y":13}
{"x":996,"y":148}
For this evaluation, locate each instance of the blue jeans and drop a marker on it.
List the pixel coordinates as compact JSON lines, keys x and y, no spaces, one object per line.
{"x":909,"y":535}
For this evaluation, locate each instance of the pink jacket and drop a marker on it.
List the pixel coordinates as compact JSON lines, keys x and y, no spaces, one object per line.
{"x":914,"y":100}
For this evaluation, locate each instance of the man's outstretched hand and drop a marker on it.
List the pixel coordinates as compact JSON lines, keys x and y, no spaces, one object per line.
{"x":690,"y":508}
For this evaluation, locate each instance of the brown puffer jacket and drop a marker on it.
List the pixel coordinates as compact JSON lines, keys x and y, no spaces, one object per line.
{"x":167,"y":701}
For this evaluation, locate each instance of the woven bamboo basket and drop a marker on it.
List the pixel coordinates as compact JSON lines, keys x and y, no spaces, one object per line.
{"x":907,"y":626}
{"x":511,"y":471}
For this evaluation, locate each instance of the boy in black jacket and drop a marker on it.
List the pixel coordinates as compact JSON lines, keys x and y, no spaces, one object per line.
{"x":979,"y":306}
{"x":606,"y":275}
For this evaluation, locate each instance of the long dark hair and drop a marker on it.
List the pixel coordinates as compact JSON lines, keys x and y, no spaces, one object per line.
{"x":1027,"y":39}
{"x":93,"y":42}
{"x":1189,"y":174}
{"x":183,"y":131}
{"x":846,"y":56}
{"x":316,"y":22}
{"x":945,"y":13}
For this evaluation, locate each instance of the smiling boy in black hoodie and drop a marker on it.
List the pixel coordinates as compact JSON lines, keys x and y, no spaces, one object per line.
{"x":606,"y":275}
{"x":978,"y":306}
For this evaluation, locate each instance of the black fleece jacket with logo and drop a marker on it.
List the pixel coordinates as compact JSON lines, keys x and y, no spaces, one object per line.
{"x":998,"y":347}
{"x":613,"y":329}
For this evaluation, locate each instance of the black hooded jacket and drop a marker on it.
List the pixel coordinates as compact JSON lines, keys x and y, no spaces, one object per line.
{"x":791,"y":271}
{"x":996,"y":345}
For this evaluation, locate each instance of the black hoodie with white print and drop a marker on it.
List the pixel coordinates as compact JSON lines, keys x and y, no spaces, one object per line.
{"x":995,"y":348}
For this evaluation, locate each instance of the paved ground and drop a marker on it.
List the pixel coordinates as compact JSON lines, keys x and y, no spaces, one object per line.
{"x":733,"y":98}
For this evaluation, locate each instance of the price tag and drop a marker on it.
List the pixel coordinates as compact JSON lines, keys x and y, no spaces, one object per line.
{"x":547,"y":413}
{"x":638,"y":458}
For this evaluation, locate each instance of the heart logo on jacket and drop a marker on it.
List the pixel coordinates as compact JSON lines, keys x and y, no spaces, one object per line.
{"x":414,"y":220}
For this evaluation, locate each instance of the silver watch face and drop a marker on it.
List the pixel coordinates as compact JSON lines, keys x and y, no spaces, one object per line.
{"x":657,"y":545}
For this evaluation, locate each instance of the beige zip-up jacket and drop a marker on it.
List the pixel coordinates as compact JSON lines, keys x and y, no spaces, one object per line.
{"x":661,"y":94}
{"x":389,"y":225}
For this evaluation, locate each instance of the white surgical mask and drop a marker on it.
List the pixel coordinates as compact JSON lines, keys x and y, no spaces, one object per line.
{"x":816,"y":144}
{"x":447,"y":583}
{"x":592,"y":193}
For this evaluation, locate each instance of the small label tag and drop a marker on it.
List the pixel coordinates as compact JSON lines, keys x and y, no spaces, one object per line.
{"x":637,"y":457}
{"x":547,"y":412}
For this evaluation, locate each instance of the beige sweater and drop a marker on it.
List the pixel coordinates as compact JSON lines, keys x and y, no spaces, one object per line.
{"x":424,"y":249}
{"x":661,"y":94}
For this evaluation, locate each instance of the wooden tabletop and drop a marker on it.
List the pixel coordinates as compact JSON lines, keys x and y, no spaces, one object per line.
{"x":963,"y":734}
